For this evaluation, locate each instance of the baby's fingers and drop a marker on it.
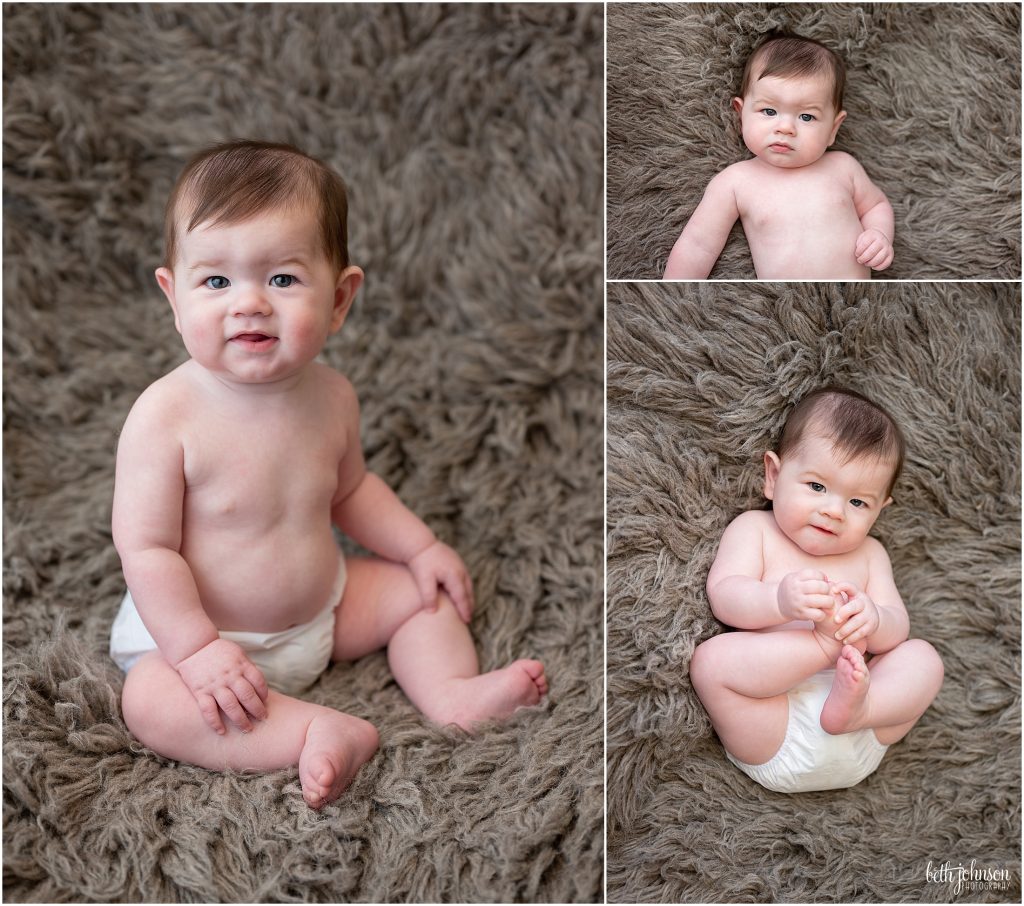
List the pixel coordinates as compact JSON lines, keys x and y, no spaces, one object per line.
{"x":884,"y":261}
{"x":211,"y":713}
{"x":455,"y":585}
{"x":428,"y":592}
{"x":256,"y":679}
{"x":853,"y":628}
{"x":871,"y":252}
{"x":229,"y":704}
{"x":249,"y":699}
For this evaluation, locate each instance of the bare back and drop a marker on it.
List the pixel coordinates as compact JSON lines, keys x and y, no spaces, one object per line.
{"x":800,"y":223}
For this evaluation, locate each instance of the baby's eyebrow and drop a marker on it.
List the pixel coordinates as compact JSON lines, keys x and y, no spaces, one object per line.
{"x":202,"y":265}
{"x":289,"y":259}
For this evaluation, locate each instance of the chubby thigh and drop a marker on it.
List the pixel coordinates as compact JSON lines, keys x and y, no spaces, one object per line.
{"x":380,"y":596}
{"x":751,"y":729}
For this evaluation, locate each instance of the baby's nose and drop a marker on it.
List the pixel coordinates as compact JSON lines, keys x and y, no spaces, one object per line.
{"x":251,"y":302}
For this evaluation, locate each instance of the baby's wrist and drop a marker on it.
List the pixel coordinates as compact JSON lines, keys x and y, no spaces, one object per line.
{"x":422,"y":547}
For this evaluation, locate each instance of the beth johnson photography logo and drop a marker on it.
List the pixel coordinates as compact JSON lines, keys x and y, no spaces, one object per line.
{"x":967,"y":878}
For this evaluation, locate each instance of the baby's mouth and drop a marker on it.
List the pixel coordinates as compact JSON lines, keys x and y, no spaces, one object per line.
{"x":253,"y":340}
{"x":780,"y":146}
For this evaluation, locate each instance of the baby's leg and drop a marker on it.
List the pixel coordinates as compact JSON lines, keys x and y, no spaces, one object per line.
{"x":742,"y":679}
{"x":328,"y":746}
{"x":431,"y":653}
{"x":889,"y":694}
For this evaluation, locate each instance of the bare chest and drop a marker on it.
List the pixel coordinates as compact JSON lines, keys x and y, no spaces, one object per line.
{"x":806,"y":200}
{"x":260,"y":470}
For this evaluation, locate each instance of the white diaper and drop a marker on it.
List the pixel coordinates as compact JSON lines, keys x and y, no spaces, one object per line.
{"x":809,"y":758}
{"x":291,"y":660}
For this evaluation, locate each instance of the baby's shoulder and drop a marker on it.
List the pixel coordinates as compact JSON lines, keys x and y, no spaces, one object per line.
{"x":334,"y":384}
{"x":334,"y":395}
{"x":752,"y":522}
{"x":738,"y":172}
{"x":841,"y":160}
{"x":167,"y":400}
{"x":874,"y":551}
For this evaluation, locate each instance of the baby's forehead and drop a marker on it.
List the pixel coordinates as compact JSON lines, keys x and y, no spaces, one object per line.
{"x":821,"y":448}
{"x":289,"y":231}
{"x":817,"y":86}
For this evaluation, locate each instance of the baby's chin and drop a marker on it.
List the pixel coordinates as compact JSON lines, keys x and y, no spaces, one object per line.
{"x":821,"y":545}
{"x":785,"y":161}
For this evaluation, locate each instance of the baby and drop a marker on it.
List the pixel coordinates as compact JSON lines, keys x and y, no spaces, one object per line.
{"x":792,"y":698}
{"x":806,"y":213}
{"x":231,"y":471}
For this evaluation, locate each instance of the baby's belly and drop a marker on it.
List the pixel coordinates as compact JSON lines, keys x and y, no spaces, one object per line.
{"x":262,"y":585}
{"x":820,"y":247}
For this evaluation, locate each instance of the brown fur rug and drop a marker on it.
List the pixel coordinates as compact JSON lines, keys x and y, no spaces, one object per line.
{"x":933,"y":101}
{"x":700,"y":379}
{"x":471,"y":140}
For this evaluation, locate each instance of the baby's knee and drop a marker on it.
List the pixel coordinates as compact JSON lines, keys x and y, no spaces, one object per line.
{"x":926,"y":657}
{"x":704,"y":664}
{"x":145,"y":685}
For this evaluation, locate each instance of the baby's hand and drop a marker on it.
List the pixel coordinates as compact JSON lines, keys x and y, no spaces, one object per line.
{"x":438,"y":565}
{"x":874,"y":250}
{"x":858,"y":616}
{"x":222,"y":678}
{"x":805,"y":595}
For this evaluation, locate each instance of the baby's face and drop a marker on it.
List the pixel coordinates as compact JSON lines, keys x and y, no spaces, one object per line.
{"x":823,"y":505}
{"x":255,"y":301}
{"x":789,"y":122}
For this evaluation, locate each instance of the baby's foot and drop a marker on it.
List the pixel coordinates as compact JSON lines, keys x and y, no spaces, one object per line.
{"x":337,"y":746}
{"x":846,"y":707}
{"x":489,"y":696}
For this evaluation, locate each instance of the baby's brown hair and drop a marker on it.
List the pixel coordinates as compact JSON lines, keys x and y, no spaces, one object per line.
{"x":233,"y":181}
{"x":855,"y":425}
{"x":787,"y":55}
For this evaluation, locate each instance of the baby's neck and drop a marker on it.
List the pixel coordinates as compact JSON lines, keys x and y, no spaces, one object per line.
{"x":228,"y":389}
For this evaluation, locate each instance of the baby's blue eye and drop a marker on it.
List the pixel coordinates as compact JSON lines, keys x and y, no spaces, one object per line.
{"x":857,"y":502}
{"x":807,"y":117}
{"x":769,"y":111}
{"x":816,"y":486}
{"x":216,"y":282}
{"x":282,"y":281}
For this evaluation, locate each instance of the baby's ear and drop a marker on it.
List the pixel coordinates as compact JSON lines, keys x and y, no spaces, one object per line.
{"x":165,"y":279}
{"x":737,"y":104}
{"x":772,"y":464}
{"x":345,"y":289}
{"x":840,"y":116}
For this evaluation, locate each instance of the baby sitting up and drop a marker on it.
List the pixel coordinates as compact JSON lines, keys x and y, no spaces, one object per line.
{"x":807,"y":213}
{"x":792,"y":697}
{"x":231,"y":471}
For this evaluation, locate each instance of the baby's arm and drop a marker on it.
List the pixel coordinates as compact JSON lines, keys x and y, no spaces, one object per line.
{"x":369,"y":512}
{"x":740,"y":598}
{"x":874,"y":245}
{"x":876,"y":613}
{"x":704,"y":236}
{"x":147,"y":519}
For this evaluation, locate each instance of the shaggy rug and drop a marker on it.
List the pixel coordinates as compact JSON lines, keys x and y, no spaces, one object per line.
{"x":933,"y":102}
{"x":471,"y":140}
{"x":700,"y":379}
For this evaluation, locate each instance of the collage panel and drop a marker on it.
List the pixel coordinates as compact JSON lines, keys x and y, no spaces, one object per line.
{"x":461,"y":362}
{"x":931,"y":125}
{"x":704,"y":530}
